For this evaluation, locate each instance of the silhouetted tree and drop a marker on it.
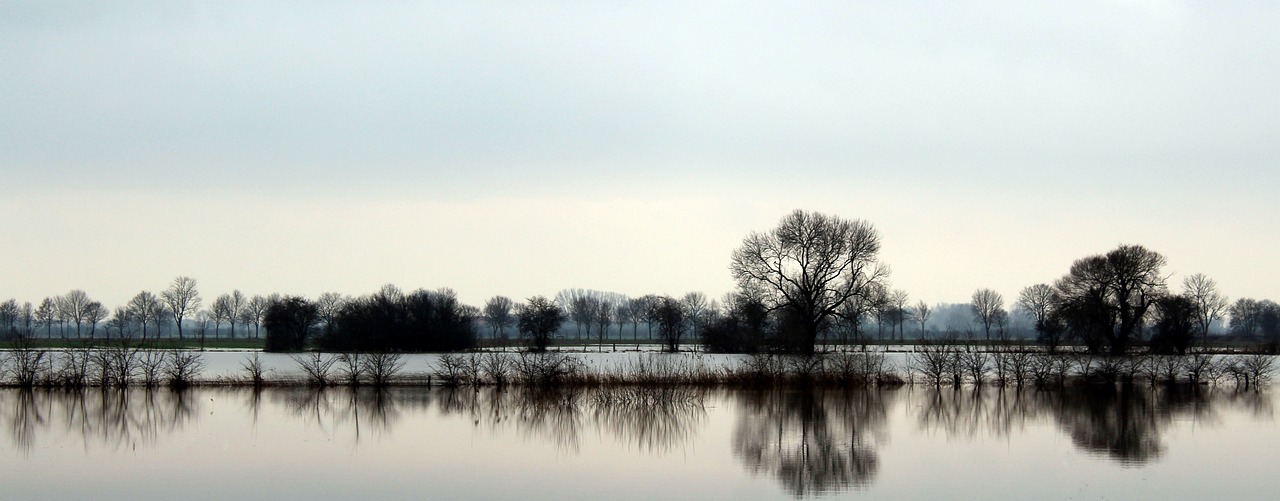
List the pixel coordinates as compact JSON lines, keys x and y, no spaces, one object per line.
{"x":921,"y":314}
{"x":392,"y":321}
{"x":1105,"y":298}
{"x":220,"y":311}
{"x":182,"y":298}
{"x":986,"y":305}
{"x":144,"y":308}
{"x":45,"y":315}
{"x":811,"y":264}
{"x":695,"y":306}
{"x":1040,"y":301}
{"x":329,"y":305}
{"x":9,"y":318}
{"x":94,"y":312}
{"x":897,"y":302}
{"x":743,"y":328}
{"x":75,"y":304}
{"x":497,"y":315}
{"x":289,"y":323}
{"x":1209,"y":303}
{"x":538,"y":319}
{"x":1175,"y":324}
{"x":671,"y":322}
{"x":1246,"y":317}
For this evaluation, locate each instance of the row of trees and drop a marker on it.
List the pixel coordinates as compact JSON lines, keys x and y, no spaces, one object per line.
{"x":815,"y":273}
{"x":177,"y":309}
{"x":813,"y":277}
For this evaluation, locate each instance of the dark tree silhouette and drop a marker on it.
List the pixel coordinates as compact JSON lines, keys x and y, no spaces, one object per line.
{"x":743,"y":328}
{"x":497,"y":315}
{"x":289,"y":323}
{"x":1175,"y":325}
{"x":1209,"y":303}
{"x":671,"y":322}
{"x":1105,"y":298}
{"x":539,"y":319}
{"x":1040,"y":301}
{"x":811,"y":265}
{"x":182,"y":298}
{"x":986,"y":306}
{"x":392,"y":321}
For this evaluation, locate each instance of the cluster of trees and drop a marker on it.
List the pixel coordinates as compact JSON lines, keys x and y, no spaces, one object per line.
{"x":386,"y":321}
{"x":178,"y":309}
{"x":818,"y":274}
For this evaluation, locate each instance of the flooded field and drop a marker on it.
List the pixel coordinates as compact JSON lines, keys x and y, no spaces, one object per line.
{"x":639,"y":443}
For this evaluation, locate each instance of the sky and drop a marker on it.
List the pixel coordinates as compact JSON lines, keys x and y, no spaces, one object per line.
{"x":520,"y":148}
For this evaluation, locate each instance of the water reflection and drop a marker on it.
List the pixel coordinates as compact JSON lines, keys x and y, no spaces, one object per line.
{"x":649,"y":419}
{"x":1122,"y":423}
{"x":813,"y":441}
{"x":108,"y":418}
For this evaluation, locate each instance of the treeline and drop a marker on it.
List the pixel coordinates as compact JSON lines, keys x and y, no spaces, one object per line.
{"x":812,"y":282}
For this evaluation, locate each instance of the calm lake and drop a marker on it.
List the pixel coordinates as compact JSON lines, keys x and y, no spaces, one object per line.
{"x":638,"y":443}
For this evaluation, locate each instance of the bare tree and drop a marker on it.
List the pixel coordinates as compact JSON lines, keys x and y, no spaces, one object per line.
{"x":237,"y":303}
{"x":539,"y":319}
{"x":145,"y":309}
{"x":9,"y":318}
{"x":695,"y":306}
{"x":45,"y":315}
{"x":229,"y":307}
{"x":182,"y":298}
{"x":220,"y":311}
{"x":94,"y":312}
{"x":497,"y":314}
{"x":622,"y":314}
{"x":1108,"y":296}
{"x":1209,"y":303}
{"x":811,"y":264}
{"x":254,"y":311}
{"x":74,"y":305}
{"x":639,"y":311}
{"x":987,"y":306}
{"x":921,"y":314}
{"x":602,"y":317}
{"x":122,"y":322}
{"x":671,"y":322}
{"x":898,"y":311}
{"x":328,"y":305}
{"x":202,"y":325}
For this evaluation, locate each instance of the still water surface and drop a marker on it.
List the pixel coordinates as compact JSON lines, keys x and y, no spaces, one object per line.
{"x":638,"y":443}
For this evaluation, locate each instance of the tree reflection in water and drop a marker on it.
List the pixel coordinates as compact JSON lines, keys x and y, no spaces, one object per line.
{"x":652,"y":419}
{"x":813,"y":440}
{"x":112,"y":418}
{"x":1123,"y":423}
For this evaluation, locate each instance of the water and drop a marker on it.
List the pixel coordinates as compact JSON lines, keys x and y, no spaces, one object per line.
{"x":638,"y":443}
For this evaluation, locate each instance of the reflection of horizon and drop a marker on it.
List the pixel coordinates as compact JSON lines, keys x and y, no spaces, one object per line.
{"x":1124,"y":423}
{"x":107,"y":417}
{"x":813,"y":440}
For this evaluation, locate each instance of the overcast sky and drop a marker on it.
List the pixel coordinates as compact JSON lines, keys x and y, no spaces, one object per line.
{"x":521,"y":148}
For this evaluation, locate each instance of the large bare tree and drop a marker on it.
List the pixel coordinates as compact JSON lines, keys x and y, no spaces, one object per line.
{"x":1209,"y":303}
{"x":987,"y":306}
{"x":145,"y":308}
{"x":75,"y":305}
{"x":810,"y":264}
{"x":497,"y":315}
{"x":1106,"y":297}
{"x":921,"y":314}
{"x":182,"y":298}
